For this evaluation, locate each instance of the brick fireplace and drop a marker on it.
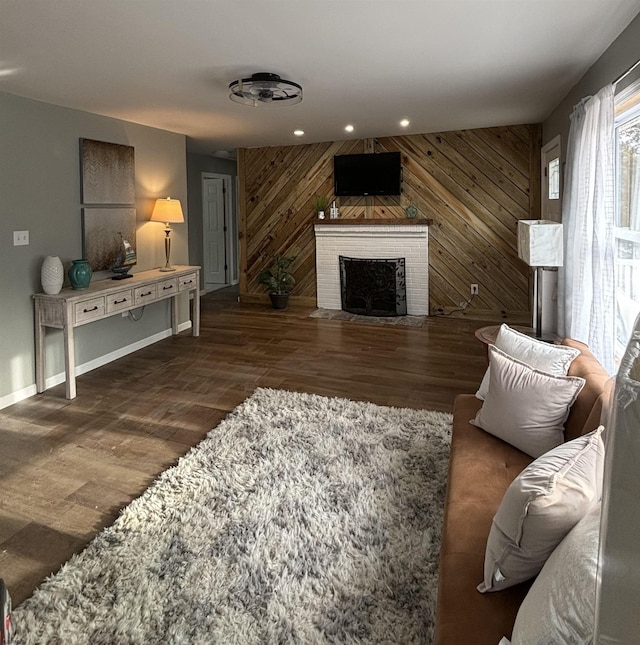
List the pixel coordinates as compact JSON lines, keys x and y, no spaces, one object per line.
{"x":375,"y":239}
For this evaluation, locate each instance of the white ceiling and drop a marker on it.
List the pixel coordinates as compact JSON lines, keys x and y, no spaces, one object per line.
{"x":443,"y":64}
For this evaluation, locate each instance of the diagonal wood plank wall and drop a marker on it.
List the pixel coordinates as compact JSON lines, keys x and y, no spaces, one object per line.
{"x":473,"y":184}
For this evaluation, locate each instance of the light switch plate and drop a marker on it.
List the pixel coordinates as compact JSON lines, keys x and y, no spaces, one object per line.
{"x":20,"y":238}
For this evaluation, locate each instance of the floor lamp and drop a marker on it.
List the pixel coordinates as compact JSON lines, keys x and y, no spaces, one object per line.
{"x":168,"y":211}
{"x":540,"y":245}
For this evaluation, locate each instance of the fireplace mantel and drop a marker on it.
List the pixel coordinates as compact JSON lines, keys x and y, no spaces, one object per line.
{"x":373,"y":239}
{"x":361,"y":221}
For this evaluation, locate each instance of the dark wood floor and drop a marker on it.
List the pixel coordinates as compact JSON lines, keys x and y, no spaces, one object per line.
{"x":68,"y":467}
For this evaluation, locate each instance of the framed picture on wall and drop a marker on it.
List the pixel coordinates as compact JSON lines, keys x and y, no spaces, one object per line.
{"x":107,"y":173}
{"x":109,"y":238}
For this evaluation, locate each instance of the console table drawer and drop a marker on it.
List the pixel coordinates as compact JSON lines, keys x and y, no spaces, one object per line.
{"x":120,"y":301}
{"x":188,"y":281}
{"x":143,"y":295}
{"x":88,"y":309}
{"x":167,"y":287}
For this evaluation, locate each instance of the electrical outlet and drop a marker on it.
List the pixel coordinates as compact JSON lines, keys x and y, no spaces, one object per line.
{"x":474,"y":289}
{"x":21,"y":238}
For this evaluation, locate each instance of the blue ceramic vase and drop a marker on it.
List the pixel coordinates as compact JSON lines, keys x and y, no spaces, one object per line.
{"x":80,"y":274}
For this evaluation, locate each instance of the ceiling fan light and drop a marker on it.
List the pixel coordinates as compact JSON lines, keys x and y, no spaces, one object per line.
{"x":265,"y":88}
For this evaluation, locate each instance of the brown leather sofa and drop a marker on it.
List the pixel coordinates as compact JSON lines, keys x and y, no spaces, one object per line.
{"x":481,"y":467}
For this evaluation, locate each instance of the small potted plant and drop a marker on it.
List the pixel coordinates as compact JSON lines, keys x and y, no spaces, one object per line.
{"x":321,"y":204}
{"x":279,"y":281}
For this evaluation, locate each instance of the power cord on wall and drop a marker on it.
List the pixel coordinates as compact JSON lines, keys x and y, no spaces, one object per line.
{"x":463,"y":306}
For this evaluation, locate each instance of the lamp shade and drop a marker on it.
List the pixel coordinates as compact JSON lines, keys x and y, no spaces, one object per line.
{"x":167,"y":210}
{"x":540,"y":242}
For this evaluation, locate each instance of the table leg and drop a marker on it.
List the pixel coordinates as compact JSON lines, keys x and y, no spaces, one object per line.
{"x":40,"y":353}
{"x":174,"y":315}
{"x":195,"y":322}
{"x":70,"y":362}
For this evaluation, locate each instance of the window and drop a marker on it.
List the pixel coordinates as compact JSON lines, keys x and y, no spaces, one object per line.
{"x":627,"y":232}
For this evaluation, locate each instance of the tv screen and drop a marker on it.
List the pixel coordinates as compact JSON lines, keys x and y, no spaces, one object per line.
{"x":368,"y":174}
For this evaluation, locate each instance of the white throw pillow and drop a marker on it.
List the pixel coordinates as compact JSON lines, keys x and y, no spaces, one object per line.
{"x":560,"y":606}
{"x":552,"y":359}
{"x":525,"y":407}
{"x":547,"y":499}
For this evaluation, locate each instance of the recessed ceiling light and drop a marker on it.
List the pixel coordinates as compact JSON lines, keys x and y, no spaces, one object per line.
{"x":298,"y":133}
{"x":349,"y":128}
{"x":404,"y":123}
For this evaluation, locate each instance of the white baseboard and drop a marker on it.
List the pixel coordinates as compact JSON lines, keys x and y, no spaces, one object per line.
{"x":16,"y":397}
{"x":56,"y":379}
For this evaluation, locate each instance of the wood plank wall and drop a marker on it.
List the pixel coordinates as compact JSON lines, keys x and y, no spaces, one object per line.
{"x":473,"y":184}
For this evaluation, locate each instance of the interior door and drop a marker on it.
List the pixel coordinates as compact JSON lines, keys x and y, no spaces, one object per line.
{"x":213,"y":213}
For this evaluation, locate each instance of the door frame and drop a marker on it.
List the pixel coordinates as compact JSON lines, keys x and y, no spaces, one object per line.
{"x":548,"y":209}
{"x":230,"y":225}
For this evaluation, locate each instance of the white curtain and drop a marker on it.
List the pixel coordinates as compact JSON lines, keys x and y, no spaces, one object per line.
{"x":586,"y":286}
{"x":634,"y":191}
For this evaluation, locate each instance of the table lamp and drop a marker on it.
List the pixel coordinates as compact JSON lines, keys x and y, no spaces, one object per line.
{"x":540,"y":245}
{"x":168,"y":211}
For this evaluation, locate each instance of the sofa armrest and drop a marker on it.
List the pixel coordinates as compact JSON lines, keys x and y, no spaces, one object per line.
{"x":590,"y":407}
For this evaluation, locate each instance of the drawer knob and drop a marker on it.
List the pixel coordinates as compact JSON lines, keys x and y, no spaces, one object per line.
{"x":148,"y":293}
{"x":86,"y":311}
{"x":167,"y":287}
{"x":119,"y":302}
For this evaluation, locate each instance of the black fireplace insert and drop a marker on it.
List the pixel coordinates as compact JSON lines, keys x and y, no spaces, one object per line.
{"x":373,"y":287}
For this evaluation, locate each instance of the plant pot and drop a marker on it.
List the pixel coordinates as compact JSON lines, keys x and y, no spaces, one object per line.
{"x":279,"y":300}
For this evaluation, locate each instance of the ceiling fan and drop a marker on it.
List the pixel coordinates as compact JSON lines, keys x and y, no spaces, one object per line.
{"x":265,"y":88}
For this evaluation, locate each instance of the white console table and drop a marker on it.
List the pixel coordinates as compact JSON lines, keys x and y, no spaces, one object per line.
{"x":104,"y":298}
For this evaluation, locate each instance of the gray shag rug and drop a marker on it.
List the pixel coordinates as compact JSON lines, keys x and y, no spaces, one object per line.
{"x":299,"y":519}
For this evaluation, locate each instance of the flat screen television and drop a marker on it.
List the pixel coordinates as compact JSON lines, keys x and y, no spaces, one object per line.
{"x":368,"y":174}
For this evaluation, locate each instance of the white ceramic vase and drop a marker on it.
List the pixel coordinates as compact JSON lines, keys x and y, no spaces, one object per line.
{"x":52,"y":274}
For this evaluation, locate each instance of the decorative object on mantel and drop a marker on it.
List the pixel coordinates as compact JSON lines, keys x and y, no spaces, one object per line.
{"x":411,"y":211}
{"x":321,"y":203}
{"x":337,"y":521}
{"x":540,"y":245}
{"x":168,"y":211}
{"x":80,"y":274}
{"x":52,"y":275}
{"x":279,"y":280}
{"x":263,"y":89}
{"x":334,"y":213}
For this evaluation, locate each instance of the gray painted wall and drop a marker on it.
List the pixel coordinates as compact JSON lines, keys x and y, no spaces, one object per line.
{"x":620,"y":56}
{"x":196,"y":165}
{"x":40,"y":192}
